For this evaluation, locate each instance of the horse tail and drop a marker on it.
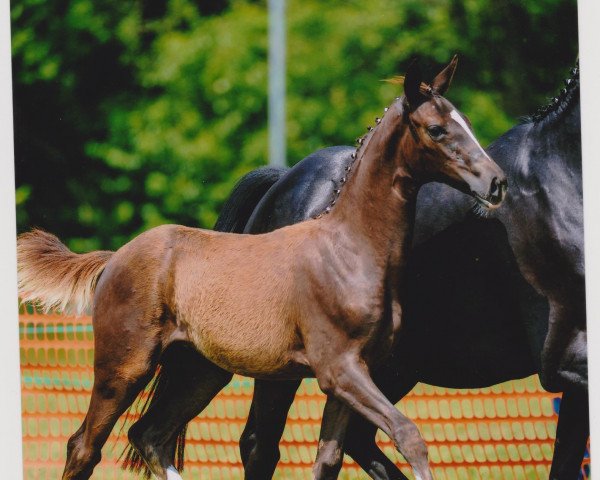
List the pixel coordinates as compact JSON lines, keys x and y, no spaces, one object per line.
{"x":52,"y":276}
{"x":245,"y":196}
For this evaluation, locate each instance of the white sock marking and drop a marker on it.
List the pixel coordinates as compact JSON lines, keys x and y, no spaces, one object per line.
{"x":456,"y":116}
{"x":173,"y":474}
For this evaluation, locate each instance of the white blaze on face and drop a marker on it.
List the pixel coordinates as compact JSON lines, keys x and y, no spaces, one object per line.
{"x":461,"y":121}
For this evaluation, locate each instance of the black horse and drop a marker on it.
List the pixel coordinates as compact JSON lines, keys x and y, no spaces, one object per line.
{"x":510,"y":305}
{"x":504,"y":296}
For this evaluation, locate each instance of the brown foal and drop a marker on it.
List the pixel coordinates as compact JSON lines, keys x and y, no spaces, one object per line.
{"x":320,"y":298}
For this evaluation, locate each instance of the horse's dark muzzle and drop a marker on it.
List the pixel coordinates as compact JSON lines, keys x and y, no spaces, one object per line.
{"x":496,"y":193}
{"x":498,"y":190}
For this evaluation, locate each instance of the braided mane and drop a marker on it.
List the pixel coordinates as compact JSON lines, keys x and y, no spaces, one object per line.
{"x":559,"y":103}
{"x":341,"y":182}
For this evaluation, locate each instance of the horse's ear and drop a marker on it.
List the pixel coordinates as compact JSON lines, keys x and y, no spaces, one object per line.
{"x":442,"y":81}
{"x":412,"y":85}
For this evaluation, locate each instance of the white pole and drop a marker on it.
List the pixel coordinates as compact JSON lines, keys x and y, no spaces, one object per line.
{"x":11,"y":449}
{"x":277,"y":83}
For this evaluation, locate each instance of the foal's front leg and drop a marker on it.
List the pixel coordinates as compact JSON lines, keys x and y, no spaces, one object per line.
{"x":394,"y":382}
{"x":347,"y":378}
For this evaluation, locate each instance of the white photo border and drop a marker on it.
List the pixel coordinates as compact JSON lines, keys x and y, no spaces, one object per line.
{"x":10,"y":391}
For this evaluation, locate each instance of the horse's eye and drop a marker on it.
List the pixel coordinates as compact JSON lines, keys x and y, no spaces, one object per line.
{"x":436,"y":132}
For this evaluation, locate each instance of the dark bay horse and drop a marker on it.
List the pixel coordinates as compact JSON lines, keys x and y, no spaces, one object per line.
{"x":319,"y":298}
{"x":470,"y":317}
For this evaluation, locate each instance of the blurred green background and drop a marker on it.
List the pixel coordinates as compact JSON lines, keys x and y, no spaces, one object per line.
{"x":130,"y":114}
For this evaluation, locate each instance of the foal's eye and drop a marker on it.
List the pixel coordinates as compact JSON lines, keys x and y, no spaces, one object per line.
{"x":436,"y":132}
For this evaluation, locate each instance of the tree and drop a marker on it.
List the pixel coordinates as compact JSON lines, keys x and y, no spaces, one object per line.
{"x":128,"y":115}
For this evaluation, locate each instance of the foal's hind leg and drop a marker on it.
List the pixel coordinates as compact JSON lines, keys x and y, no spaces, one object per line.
{"x":189,"y":383}
{"x":259,"y":443}
{"x":111,"y":396}
{"x":119,"y":375}
{"x":330,"y":454}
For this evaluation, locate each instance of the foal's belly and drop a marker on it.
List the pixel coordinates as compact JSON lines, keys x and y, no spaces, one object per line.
{"x":241,"y":347}
{"x":243,"y":334}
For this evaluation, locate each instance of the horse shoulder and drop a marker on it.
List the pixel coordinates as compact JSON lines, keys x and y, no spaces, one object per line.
{"x":341,"y":285}
{"x":544,"y":218}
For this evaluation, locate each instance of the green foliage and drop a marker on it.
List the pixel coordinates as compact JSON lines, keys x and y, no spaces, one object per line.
{"x":129,"y":114}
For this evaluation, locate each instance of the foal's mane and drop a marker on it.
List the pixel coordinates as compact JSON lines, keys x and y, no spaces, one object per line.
{"x":559,"y":104}
{"x":360,"y":141}
{"x":425,"y":89}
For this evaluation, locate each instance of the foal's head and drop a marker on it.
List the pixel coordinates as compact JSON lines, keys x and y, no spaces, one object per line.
{"x":447,"y":150}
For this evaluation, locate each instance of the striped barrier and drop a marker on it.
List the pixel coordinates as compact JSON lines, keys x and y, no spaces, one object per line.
{"x":503,"y":432}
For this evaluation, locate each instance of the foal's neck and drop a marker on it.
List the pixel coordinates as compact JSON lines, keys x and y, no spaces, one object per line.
{"x":378,"y":201}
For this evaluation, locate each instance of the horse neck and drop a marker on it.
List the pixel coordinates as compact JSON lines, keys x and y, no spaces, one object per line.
{"x":558,"y":136}
{"x":533,"y":149}
{"x":377,"y":213}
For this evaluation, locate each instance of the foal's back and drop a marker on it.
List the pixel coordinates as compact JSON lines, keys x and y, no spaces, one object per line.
{"x":237,"y":298}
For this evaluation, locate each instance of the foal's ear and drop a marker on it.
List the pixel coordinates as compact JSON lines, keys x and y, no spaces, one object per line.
{"x":442,"y":81}
{"x":412,"y":85}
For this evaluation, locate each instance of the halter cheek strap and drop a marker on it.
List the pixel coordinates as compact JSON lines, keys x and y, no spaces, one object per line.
{"x":427,"y":89}
{"x":411,"y":126}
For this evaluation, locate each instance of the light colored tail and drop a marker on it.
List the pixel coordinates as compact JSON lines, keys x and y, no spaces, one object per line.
{"x":52,"y":276}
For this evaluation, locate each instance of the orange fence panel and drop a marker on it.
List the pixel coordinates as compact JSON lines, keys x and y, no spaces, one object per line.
{"x":502,"y":432}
